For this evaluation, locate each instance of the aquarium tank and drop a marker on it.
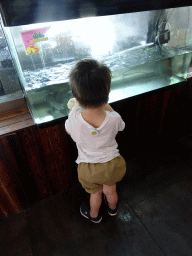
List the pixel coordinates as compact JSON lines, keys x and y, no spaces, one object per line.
{"x":145,"y":51}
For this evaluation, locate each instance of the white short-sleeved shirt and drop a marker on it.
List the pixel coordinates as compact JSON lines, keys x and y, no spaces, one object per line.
{"x":95,"y":145}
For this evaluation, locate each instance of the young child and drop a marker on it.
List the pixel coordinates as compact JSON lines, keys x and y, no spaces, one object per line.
{"x":93,"y":125}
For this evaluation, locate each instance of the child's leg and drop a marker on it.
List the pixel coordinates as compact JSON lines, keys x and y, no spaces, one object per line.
{"x":95,"y":203}
{"x":111,"y":195}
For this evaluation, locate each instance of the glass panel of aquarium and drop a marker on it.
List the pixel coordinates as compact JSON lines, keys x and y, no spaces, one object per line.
{"x":145,"y":51}
{"x":9,"y":84}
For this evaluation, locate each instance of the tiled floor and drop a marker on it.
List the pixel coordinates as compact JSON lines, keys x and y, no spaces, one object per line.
{"x":154,"y":218}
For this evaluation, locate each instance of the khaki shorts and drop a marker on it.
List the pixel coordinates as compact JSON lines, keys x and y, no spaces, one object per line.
{"x":92,"y":176}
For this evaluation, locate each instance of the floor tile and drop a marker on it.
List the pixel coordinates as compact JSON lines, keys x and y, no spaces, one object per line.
{"x":14,"y":236}
{"x":168,"y":224}
{"x":57,"y":227}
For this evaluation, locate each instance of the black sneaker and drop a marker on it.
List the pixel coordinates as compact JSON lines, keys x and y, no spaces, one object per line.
{"x":85,"y":212}
{"x":110,"y":211}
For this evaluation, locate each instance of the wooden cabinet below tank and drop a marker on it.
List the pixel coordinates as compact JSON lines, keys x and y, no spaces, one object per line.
{"x":34,"y":165}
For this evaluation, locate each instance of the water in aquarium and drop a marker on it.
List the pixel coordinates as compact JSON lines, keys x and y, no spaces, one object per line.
{"x":128,"y":79}
{"x":126,"y":43}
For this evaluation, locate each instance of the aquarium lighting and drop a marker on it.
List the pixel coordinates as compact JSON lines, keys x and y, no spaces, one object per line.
{"x":97,"y":32}
{"x":44,"y":119}
{"x":116,"y":95}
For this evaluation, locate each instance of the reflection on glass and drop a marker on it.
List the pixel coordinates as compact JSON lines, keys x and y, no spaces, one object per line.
{"x":45,"y":119}
{"x":145,"y":51}
{"x":8,"y":78}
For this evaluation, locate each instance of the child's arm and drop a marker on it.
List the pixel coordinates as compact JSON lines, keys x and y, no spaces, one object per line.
{"x":107,"y":107}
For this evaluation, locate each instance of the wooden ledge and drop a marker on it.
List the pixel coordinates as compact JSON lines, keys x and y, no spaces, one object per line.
{"x":14,"y":120}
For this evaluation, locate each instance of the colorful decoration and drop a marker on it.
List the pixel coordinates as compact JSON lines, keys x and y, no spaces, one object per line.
{"x":32,"y":37}
{"x":33,"y":49}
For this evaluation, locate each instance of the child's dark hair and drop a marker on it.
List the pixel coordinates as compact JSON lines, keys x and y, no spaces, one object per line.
{"x":90,"y":83}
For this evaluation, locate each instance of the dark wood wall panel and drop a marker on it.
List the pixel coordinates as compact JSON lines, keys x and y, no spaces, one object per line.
{"x":35,"y":166}
{"x":9,"y":187}
{"x":17,"y":162}
{"x":154,"y":118}
{"x":56,"y":155}
{"x":39,"y":166}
